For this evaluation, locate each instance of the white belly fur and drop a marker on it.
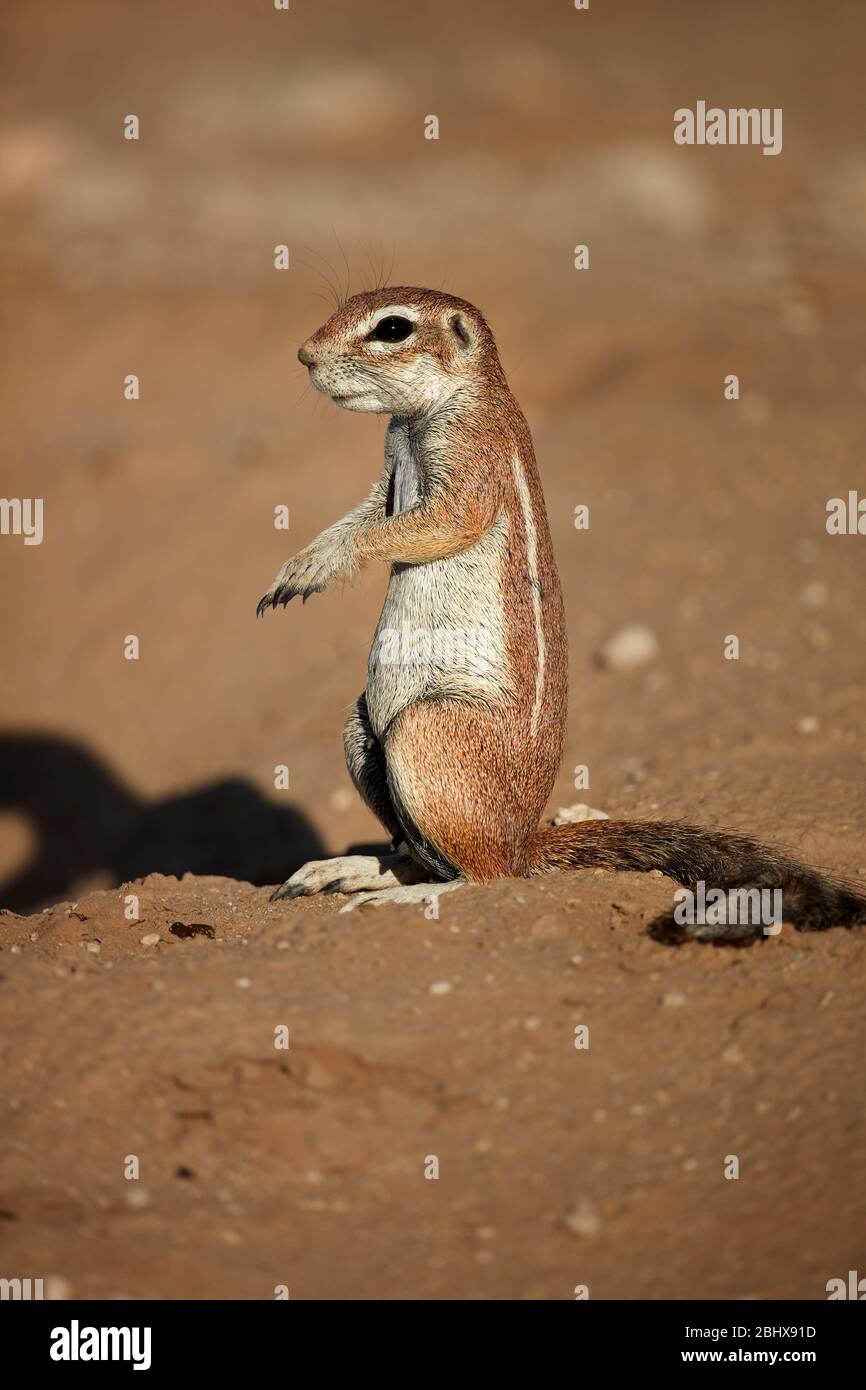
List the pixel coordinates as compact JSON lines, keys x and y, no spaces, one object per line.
{"x":442,"y":629}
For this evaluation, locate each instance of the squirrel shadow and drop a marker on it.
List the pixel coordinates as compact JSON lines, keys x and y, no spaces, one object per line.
{"x":87,"y":821}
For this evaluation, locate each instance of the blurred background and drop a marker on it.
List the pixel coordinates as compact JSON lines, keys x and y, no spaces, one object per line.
{"x":155,"y":257}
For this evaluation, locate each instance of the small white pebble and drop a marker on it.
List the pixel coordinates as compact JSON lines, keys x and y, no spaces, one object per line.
{"x":243,"y":982}
{"x":674,"y":1000}
{"x":150,"y":938}
{"x":138,"y":1198}
{"x":807,"y":725}
{"x":94,"y":948}
{"x":440,"y":987}
{"x":56,"y":1288}
{"x":814,"y":594}
{"x":629,"y":648}
{"x":573,"y":815}
{"x":583,"y":1220}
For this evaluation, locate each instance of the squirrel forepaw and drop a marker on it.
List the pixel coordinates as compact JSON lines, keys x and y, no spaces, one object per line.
{"x":308,"y":572}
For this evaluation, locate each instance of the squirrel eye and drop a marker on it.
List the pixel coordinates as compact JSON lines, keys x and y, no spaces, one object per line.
{"x":391,"y":330}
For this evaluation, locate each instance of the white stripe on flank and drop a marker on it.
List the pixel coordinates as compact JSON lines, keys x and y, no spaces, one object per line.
{"x":532,"y":563}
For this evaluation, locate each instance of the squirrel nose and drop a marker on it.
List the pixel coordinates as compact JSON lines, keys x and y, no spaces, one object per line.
{"x":305,"y":356}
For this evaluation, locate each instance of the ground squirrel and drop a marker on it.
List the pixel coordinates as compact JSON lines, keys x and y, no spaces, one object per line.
{"x":456,"y":743}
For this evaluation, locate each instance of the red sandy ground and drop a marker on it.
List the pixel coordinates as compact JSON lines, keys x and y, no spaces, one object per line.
{"x":306,"y":1167}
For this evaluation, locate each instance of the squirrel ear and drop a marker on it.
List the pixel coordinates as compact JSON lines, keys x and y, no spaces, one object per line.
{"x":463,"y":330}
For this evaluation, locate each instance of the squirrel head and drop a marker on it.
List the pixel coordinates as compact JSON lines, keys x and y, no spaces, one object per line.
{"x":400,"y":351}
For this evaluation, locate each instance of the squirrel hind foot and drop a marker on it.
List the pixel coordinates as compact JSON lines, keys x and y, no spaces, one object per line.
{"x":350,"y":873}
{"x":406,"y":893}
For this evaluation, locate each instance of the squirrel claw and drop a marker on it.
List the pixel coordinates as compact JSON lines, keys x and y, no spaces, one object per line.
{"x":289,"y":890}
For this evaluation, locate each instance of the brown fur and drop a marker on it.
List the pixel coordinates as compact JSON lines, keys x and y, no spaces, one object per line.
{"x":463,"y":777}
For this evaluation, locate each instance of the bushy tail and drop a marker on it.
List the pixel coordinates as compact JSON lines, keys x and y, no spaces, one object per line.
{"x":722,"y":859}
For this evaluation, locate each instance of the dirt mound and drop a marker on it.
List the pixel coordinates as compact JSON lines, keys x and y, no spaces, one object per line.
{"x":410,"y":1040}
